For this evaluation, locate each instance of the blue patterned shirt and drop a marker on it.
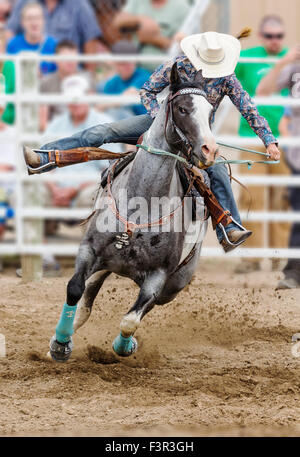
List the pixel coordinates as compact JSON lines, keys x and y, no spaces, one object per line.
{"x":215,"y":89}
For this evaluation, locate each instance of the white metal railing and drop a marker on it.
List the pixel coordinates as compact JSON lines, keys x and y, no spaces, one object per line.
{"x":20,"y":177}
{"x":93,"y":58}
{"x":125,"y":100}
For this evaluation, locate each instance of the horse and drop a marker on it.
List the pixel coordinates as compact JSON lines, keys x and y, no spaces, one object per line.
{"x":160,"y":261}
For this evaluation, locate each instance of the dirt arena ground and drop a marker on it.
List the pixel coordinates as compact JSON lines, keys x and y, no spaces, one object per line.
{"x":215,"y":362}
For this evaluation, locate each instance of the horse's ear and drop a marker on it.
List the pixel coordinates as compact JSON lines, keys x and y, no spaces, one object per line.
{"x":175,"y":79}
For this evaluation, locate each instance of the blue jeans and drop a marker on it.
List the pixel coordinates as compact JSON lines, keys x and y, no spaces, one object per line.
{"x":128,"y":131}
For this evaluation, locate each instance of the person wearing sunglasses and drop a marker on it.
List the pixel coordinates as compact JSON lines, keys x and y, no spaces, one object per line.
{"x":271,"y":34}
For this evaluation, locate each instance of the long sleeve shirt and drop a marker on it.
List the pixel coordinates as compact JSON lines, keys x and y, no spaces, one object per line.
{"x":215,"y":88}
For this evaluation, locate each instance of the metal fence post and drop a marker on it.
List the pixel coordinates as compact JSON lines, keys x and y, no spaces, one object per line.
{"x":29,"y":123}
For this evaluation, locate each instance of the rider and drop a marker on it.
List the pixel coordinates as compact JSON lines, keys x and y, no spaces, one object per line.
{"x":216,"y":56}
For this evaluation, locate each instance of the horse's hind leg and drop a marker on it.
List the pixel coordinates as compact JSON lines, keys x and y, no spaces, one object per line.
{"x":92,"y":287}
{"x":125,"y":344}
{"x":61,"y":344}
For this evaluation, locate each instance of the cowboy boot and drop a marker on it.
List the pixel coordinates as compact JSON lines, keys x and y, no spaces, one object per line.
{"x":235,"y":238}
{"x":37,"y":160}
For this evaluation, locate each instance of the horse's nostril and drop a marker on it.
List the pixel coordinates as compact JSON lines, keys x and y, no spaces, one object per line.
{"x":205,"y":150}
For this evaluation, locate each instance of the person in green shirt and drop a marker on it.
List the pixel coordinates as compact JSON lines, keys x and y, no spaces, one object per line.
{"x":271,"y":34}
{"x":8,"y":71}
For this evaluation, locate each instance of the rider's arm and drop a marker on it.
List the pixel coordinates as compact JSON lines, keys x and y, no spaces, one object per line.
{"x":243,"y":102}
{"x":155,"y":84}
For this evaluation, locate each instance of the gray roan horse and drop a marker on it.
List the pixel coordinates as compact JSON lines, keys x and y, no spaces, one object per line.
{"x":161,"y":262}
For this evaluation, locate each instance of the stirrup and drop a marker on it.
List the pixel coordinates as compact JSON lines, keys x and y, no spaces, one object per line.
{"x":225,"y":233}
{"x":42,"y":167}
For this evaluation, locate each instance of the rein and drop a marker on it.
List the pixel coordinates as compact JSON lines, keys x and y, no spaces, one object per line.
{"x":248,"y":162}
{"x":221,"y":162}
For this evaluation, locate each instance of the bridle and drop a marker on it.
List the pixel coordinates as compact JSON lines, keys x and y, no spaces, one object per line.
{"x":170,"y":118}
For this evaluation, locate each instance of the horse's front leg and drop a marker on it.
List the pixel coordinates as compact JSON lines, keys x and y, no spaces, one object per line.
{"x":61,"y":343}
{"x":125,"y":344}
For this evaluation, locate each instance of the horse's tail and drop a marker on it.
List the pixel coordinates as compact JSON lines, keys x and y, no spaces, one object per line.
{"x":244,"y":33}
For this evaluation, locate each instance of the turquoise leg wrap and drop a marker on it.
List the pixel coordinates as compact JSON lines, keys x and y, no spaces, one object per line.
{"x":64,"y":328}
{"x":123,"y":345}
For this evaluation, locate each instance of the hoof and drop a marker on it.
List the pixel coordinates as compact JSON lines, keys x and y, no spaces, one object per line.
{"x":60,"y":352}
{"x":124,"y":347}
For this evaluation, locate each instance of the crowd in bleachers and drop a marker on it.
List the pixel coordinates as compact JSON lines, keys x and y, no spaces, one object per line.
{"x":97,"y":26}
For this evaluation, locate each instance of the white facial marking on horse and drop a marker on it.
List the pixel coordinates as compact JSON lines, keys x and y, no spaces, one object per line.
{"x":201,"y":116}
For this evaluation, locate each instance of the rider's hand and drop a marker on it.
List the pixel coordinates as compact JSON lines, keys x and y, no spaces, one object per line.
{"x":273,"y":151}
{"x":293,"y":55}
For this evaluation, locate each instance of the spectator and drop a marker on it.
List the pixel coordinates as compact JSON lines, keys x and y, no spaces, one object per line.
{"x":128,"y":80}
{"x":8,"y":72}
{"x":271,"y":35}
{"x":286,"y":74}
{"x":5,"y":9}
{"x":33,"y":38}
{"x":155,"y":22}
{"x":79,"y":116}
{"x":52,"y":83}
{"x":67,"y":19}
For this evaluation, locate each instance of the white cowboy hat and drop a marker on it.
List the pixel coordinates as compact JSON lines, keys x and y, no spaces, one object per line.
{"x":216,"y":54}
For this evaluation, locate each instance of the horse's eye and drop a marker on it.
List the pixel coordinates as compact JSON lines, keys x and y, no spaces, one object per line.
{"x":182,"y":110}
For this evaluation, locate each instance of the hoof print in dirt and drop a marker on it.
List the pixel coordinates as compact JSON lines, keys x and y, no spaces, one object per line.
{"x":60,"y":352}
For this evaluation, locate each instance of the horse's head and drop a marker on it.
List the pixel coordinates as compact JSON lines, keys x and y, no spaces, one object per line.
{"x":189,"y":121}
